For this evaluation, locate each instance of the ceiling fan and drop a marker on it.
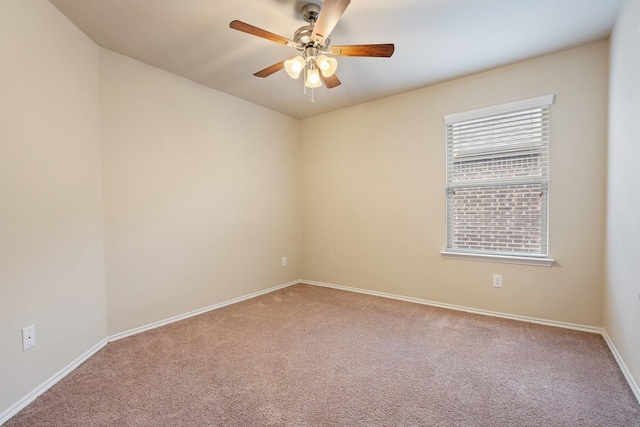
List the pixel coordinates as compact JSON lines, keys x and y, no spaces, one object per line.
{"x":312,"y":41}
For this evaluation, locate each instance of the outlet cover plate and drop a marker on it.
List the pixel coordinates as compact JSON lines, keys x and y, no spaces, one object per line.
{"x":497,"y":280}
{"x":28,"y":337}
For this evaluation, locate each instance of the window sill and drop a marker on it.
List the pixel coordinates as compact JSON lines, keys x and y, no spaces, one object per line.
{"x":540,"y":262}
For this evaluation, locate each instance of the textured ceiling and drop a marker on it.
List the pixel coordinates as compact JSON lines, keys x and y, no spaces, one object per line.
{"x":435,"y":40}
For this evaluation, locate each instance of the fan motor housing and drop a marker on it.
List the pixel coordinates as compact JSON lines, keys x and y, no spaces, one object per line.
{"x":303,"y":35}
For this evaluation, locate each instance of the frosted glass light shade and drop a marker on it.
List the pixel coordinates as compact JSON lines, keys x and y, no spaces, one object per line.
{"x":294,"y":66}
{"x":327,"y":65}
{"x":313,"y":78}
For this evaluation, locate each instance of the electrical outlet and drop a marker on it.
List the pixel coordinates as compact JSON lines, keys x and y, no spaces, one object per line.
{"x":284,"y":261}
{"x":28,"y":337}
{"x":497,"y":280}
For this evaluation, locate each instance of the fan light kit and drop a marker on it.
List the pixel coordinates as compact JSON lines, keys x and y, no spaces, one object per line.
{"x":315,"y":61}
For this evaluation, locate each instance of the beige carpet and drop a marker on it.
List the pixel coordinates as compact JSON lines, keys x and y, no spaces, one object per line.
{"x":310,"y":356}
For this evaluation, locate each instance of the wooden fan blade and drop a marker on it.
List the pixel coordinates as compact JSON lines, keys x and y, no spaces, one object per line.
{"x":270,"y":69}
{"x":330,"y":82}
{"x":374,"y":50}
{"x":329,"y":16}
{"x":255,"y":31}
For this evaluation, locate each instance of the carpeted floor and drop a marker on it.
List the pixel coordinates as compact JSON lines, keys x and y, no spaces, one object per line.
{"x":311,"y":356}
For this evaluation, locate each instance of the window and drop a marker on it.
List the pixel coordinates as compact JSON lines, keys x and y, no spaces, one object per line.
{"x":497,"y":182}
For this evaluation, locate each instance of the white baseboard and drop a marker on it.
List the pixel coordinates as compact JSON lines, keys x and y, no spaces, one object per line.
{"x":623,"y":367}
{"x":22,"y":403}
{"x":26,"y":400}
{"x":577,"y":327}
{"x":159,"y":323}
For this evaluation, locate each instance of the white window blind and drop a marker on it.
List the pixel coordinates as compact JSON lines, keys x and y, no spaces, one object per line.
{"x":497,"y":179}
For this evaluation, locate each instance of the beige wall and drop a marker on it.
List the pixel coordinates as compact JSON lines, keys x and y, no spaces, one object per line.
{"x":201,"y":194}
{"x":51,"y":218}
{"x":373,"y":193}
{"x":622,"y":290}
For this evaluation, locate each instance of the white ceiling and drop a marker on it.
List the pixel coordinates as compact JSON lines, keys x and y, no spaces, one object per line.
{"x":435,"y":40}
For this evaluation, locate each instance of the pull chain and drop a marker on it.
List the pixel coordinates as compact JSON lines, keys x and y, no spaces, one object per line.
{"x":304,"y":79}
